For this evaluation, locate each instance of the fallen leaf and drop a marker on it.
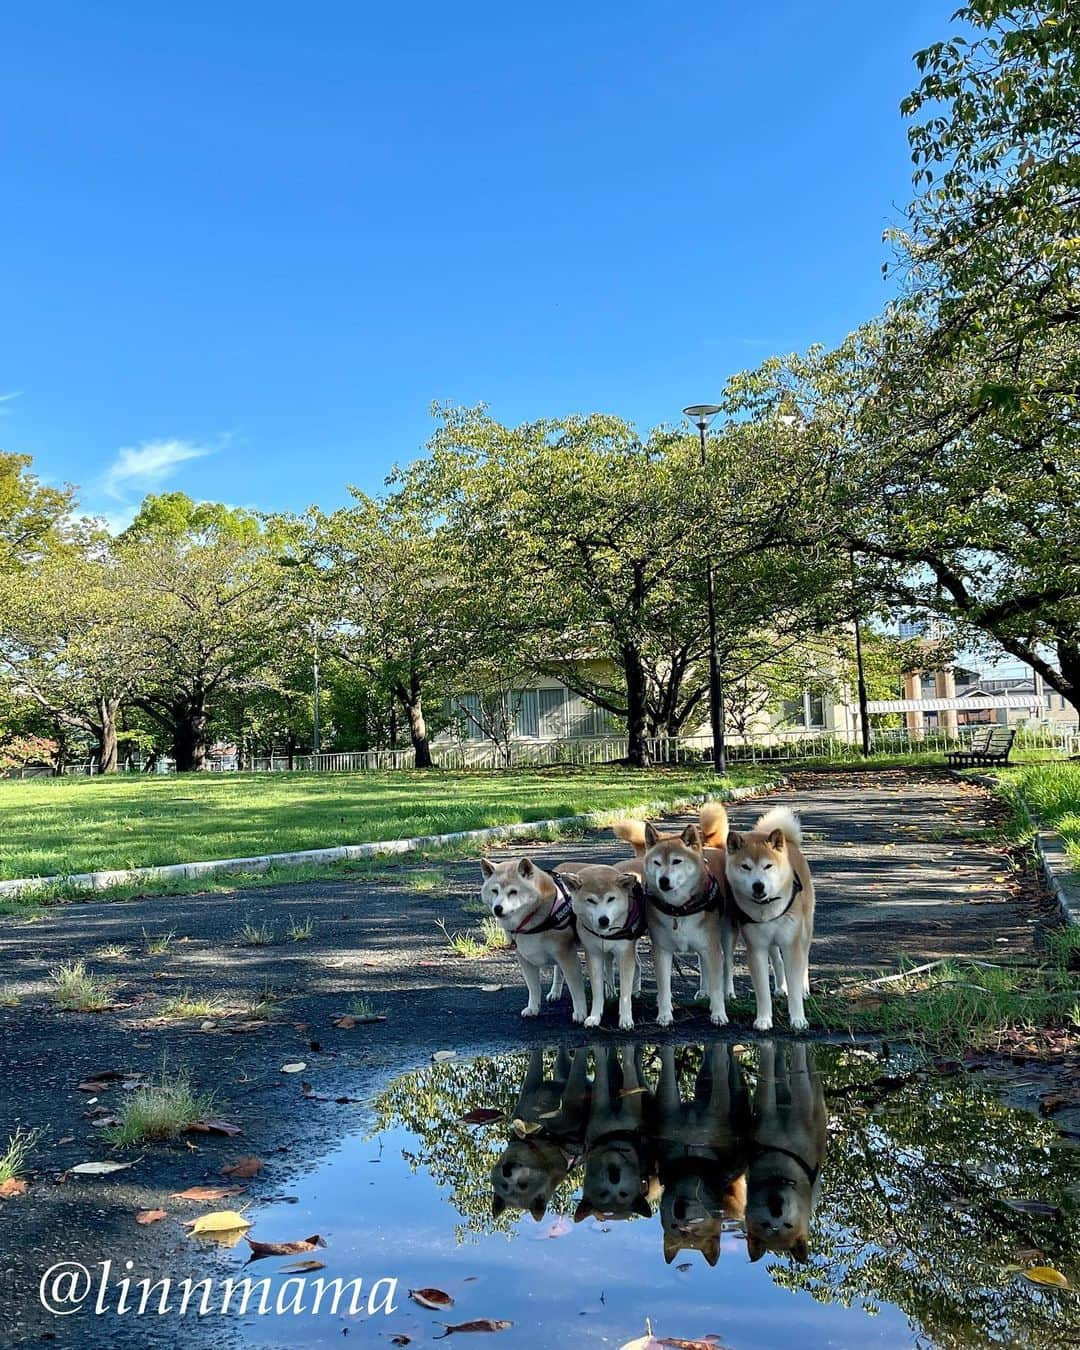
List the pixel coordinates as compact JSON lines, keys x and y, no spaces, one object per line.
{"x":1034,"y":1207}
{"x":350,"y":1020}
{"x":345,"y":1023}
{"x":298,"y":1067}
{"x":1046,"y":1275}
{"x":221,"y":1221}
{"x":298,"y":1267}
{"x":261,"y":1249}
{"x":646,"y":1342}
{"x":67,"y":1139}
{"x":431,"y":1298}
{"x":440,"y":1057}
{"x":703,"y":1343}
{"x":481,"y":1324}
{"x":244,"y":1168}
{"x":482,"y":1115}
{"x":490,"y":988}
{"x":13,"y":1186}
{"x":97,"y":1169}
{"x":149,"y":1216}
{"x":208,"y":1193}
{"x":225,"y":1127}
{"x":523,"y":1128}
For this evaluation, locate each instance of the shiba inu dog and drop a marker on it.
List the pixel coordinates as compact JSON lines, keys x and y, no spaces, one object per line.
{"x":610,"y":906}
{"x":533,"y":1167}
{"x":772,"y":906}
{"x":536,"y":913}
{"x":685,"y":887}
{"x":786,"y":1154}
{"x":701,"y":1151}
{"x":617,"y":1170}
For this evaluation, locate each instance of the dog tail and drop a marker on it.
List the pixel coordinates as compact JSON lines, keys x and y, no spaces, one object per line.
{"x":714,"y":824}
{"x":781,"y":818}
{"x":631,"y":832}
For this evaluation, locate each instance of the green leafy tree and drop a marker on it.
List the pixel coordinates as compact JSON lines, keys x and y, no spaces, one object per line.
{"x":33,"y":518}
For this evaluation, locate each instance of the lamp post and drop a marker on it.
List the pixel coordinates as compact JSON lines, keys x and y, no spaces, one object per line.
{"x":702,"y":414}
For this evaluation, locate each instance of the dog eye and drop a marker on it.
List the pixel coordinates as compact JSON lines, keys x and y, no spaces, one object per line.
{"x":768,"y":867}
{"x":511,"y":893}
{"x":675,"y":862}
{"x":591,"y":899}
{"x":611,"y":899}
{"x":747,"y":867}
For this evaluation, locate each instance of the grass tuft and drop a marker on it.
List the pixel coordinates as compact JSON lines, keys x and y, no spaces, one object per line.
{"x":159,"y":1110}
{"x":15,"y":1156}
{"x":187,"y":1006}
{"x":158,"y":945}
{"x":75,"y":989}
{"x":300,"y":930}
{"x":256,"y":935}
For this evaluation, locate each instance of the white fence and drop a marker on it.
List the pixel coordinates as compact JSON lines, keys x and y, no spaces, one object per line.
{"x":582,"y":751}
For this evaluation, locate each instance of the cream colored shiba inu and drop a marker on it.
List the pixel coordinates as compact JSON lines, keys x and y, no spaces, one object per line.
{"x":618,"y":1175}
{"x":772,"y":907}
{"x":536,"y":914}
{"x":532,"y":1167}
{"x":610,"y":906}
{"x":786,"y":1153}
{"x":684,"y":885}
{"x":701,"y":1151}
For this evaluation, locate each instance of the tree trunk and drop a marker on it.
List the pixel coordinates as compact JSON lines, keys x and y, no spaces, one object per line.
{"x":637,"y":751}
{"x":190,"y":743}
{"x":107,"y":752}
{"x":1068,"y":654}
{"x":412,"y":701}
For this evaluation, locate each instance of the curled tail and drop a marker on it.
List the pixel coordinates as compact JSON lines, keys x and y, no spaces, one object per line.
{"x":714,"y":824}
{"x":780,"y":818}
{"x":631,"y":832}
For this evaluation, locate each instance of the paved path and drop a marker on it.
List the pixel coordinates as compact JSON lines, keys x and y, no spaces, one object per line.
{"x":905,"y":865}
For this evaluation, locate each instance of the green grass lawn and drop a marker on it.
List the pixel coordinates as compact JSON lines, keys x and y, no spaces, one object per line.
{"x":1053,"y":793}
{"x":58,"y":826}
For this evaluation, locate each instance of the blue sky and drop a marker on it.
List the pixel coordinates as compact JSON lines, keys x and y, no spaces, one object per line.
{"x":245,"y":246}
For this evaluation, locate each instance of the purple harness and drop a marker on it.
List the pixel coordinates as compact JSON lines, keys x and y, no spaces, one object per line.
{"x":561,"y":914}
{"x":635,"y":925}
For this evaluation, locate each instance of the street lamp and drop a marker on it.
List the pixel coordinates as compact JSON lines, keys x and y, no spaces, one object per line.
{"x":702,"y":414}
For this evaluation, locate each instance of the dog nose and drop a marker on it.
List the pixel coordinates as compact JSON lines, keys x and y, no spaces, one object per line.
{"x":497,"y":910}
{"x":759,"y":888}
{"x":665,"y":883}
{"x":602,"y":921}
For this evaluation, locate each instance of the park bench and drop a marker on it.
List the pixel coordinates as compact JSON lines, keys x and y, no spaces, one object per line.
{"x":989,"y":747}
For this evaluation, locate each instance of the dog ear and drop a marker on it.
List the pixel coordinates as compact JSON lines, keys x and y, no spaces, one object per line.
{"x":641,"y":1206}
{"x":498,"y":1204}
{"x":583,"y":1211}
{"x":537,"y":1209}
{"x":570,"y":880}
{"x":691,"y":837}
{"x":672,"y":1247}
{"x":488,"y":868}
{"x":801,"y":1251}
{"x":776,"y":839}
{"x":755,"y":1247}
{"x":651,"y":837}
{"x":711,"y":1251}
{"x":525,"y":867}
{"x":734,"y":842}
{"x":628,"y":881}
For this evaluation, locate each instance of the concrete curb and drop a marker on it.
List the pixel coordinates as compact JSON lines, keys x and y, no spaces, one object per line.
{"x":104,"y":880}
{"x":1050,"y":850}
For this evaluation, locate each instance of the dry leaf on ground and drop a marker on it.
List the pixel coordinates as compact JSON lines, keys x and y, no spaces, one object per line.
{"x":13,"y":1186}
{"x":244,"y":1168}
{"x":97,"y":1169}
{"x":1046,"y":1275}
{"x":261,"y":1249}
{"x":298,"y":1066}
{"x":479,"y":1324}
{"x":225,"y":1127}
{"x":207,"y":1192}
{"x":302,"y":1267}
{"x":149,"y":1216}
{"x":431,"y":1298}
{"x":221,"y":1221}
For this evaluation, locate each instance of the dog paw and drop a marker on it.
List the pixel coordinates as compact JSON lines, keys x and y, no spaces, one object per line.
{"x":718,"y":1019}
{"x":763,"y":1024}
{"x":530,"y":1012}
{"x":626,"y":1023}
{"x":665,"y":1020}
{"x":799,"y":1024}
{"x":592,"y":1021}
{"x":578,"y":1017}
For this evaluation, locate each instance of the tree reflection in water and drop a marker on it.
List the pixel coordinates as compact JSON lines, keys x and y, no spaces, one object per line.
{"x":867,"y":1182}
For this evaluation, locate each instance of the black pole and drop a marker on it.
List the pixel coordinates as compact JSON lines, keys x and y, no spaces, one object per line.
{"x":716,"y":684}
{"x":864,"y":716}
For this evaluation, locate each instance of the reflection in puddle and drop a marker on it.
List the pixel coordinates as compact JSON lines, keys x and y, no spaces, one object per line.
{"x":840,"y":1199}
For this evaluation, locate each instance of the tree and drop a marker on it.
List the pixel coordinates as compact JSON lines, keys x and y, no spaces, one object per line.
{"x":207,"y":591}
{"x":33,"y":518}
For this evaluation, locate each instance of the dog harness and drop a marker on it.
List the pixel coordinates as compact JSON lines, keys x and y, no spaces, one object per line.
{"x":634,"y":926}
{"x":811,"y":1172}
{"x":771,"y":900}
{"x":708,"y":900}
{"x":561,"y":914}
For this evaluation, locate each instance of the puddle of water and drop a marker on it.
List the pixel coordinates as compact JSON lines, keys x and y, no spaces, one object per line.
{"x":759,"y":1195}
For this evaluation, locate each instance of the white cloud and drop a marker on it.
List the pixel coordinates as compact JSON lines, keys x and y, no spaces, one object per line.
{"x":140,"y":468}
{"x":7,"y":398}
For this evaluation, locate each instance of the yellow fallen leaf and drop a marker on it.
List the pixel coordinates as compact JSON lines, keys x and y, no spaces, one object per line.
{"x":297,"y":1067}
{"x":524,"y":1127}
{"x":221,"y":1221}
{"x":1046,"y":1275}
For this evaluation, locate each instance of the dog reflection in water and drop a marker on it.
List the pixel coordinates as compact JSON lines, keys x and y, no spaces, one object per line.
{"x":786,"y":1152}
{"x":701,"y":1151}
{"x":553,"y":1110}
{"x":711,"y":1156}
{"x":617,"y":1170}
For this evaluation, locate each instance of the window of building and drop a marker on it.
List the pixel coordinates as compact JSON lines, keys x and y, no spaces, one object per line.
{"x":808,"y":710}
